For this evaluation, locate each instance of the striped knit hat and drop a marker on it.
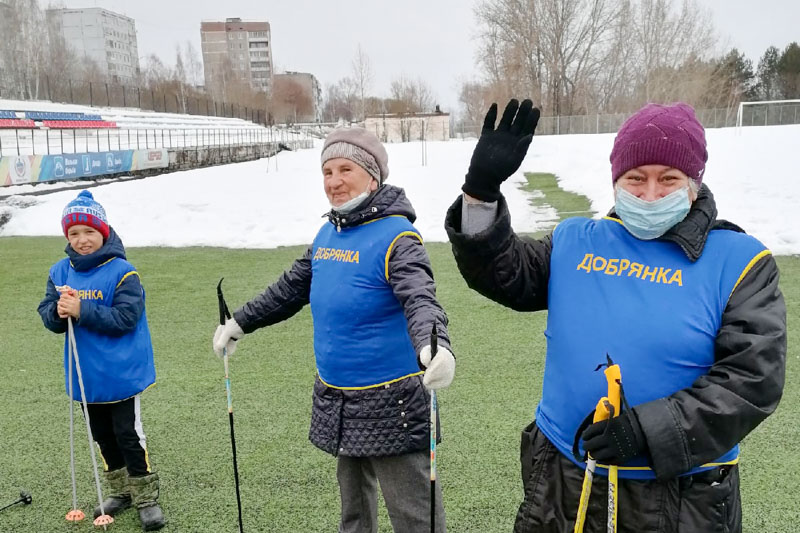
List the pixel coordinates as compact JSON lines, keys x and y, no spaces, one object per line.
{"x":84,"y":210}
{"x":359,"y":146}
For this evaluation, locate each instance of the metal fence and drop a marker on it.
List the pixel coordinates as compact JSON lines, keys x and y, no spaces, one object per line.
{"x":772,"y":115}
{"x":94,"y":93}
{"x":70,"y":141}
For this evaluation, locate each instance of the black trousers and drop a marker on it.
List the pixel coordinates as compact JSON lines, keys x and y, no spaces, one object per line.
{"x":117,"y":430}
{"x":705,"y":502}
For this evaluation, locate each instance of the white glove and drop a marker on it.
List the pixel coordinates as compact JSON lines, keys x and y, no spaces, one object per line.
{"x":438,"y":374}
{"x":226,"y":337}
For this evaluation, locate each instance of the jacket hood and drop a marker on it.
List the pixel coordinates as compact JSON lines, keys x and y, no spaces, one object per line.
{"x":691,"y":233}
{"x":385,"y":201}
{"x":111,"y":248}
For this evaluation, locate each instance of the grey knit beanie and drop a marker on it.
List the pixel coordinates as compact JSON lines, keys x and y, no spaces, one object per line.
{"x":359,"y":146}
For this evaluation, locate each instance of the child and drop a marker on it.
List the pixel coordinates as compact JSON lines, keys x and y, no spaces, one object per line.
{"x":102,"y":293}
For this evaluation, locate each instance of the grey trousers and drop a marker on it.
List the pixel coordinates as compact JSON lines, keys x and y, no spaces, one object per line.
{"x":405,"y":484}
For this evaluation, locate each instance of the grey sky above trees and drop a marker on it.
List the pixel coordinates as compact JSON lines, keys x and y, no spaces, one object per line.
{"x":432,"y":40}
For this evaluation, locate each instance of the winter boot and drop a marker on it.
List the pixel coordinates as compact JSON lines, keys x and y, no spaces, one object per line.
{"x":144,"y":491}
{"x":119,"y":495}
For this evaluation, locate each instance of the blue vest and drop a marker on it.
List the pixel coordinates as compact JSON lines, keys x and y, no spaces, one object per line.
{"x":646,"y":305}
{"x":361,"y":334}
{"x":113,"y":368}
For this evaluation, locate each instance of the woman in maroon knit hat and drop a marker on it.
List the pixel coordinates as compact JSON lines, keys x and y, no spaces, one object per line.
{"x":688,"y":307}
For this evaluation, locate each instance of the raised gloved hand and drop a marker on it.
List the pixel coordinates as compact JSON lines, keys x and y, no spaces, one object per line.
{"x":500,"y":152}
{"x":617,"y":440}
{"x":226,"y":336}
{"x":439,"y":373}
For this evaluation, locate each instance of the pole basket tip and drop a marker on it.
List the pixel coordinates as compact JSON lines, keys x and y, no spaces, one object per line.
{"x":103,"y":520}
{"x":75,"y":515}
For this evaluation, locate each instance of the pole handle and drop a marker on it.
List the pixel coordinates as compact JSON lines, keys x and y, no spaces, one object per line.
{"x":614,"y":381}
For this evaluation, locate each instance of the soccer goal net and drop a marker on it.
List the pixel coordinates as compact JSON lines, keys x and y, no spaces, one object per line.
{"x":768,"y":113}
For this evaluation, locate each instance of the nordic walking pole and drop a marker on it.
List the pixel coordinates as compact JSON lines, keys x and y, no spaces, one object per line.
{"x":608,"y":406}
{"x":103,"y":520}
{"x":600,"y":413}
{"x":75,"y":514}
{"x":24,"y":497}
{"x":614,"y":380}
{"x":434,"y":416}
{"x":225,"y":314}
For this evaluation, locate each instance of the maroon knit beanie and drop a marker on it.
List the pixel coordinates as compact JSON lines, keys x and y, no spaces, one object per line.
{"x":658,"y":134}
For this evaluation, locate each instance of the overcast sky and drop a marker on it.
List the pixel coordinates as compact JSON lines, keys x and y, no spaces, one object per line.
{"x":432,"y":39}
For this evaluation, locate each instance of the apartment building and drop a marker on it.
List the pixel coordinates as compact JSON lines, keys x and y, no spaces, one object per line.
{"x":108,"y":38}
{"x":236,"y":49}
{"x":297,"y":97}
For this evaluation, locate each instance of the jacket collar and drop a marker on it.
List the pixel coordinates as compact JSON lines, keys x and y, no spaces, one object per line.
{"x":385,"y":201}
{"x":691,"y":233}
{"x":111,"y":249}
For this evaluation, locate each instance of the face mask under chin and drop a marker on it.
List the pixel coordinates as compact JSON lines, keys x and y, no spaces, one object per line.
{"x":352,"y":203}
{"x":650,"y":220}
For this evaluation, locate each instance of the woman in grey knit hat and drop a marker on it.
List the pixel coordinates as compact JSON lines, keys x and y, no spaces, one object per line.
{"x":370,"y":285}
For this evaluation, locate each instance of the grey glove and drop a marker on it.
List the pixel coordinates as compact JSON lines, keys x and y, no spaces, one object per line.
{"x":225,"y":337}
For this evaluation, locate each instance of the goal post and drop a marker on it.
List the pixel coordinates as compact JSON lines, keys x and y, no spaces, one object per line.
{"x":767,"y":104}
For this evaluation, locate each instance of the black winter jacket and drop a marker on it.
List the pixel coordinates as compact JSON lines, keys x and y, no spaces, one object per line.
{"x":692,"y":426}
{"x":378,"y":421}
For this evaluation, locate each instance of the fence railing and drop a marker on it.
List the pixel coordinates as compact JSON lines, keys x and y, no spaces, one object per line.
{"x":71,"y":141}
{"x":773,"y":115}
{"x":109,"y":94}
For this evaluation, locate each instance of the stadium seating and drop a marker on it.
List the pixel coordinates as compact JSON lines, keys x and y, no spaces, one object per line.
{"x":8,"y":114}
{"x":77,"y":124}
{"x":51,"y":115}
{"x":16,"y":123}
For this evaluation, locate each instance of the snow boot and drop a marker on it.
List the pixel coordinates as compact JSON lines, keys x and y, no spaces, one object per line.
{"x":119,"y":495}
{"x":144,"y":491}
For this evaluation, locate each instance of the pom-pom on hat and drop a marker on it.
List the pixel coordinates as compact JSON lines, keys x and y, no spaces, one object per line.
{"x":360,"y":146}
{"x":658,"y":134}
{"x":86,"y":211}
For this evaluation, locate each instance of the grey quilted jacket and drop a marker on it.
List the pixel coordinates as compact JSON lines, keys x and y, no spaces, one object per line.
{"x":379,"y":421}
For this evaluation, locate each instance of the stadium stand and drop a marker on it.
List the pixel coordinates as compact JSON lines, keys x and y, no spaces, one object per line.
{"x":77,"y":124}
{"x":8,"y":114}
{"x":17,"y":123}
{"x":54,"y":115}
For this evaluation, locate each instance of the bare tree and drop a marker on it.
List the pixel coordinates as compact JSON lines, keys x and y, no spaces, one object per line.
{"x":581,"y":56}
{"x":180,"y":77}
{"x":194,"y":65}
{"x":362,"y":75}
{"x":410,"y":96}
{"x":667,"y":38}
{"x":290,"y":102}
{"x":474,"y":100}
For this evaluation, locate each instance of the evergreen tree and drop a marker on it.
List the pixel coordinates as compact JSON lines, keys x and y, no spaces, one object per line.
{"x":789,"y":71}
{"x":769,"y":87}
{"x":735,"y":73}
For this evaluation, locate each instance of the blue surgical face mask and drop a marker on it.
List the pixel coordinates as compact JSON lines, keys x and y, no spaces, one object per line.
{"x":650,"y":220}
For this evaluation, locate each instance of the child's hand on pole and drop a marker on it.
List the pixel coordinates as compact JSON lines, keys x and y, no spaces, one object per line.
{"x":69,"y":304}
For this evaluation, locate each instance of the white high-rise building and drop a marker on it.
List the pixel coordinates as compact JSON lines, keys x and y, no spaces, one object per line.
{"x":103,"y":36}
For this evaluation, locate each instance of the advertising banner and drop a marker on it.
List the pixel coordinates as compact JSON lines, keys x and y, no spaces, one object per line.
{"x":143,"y":159}
{"x":16,"y":170}
{"x":74,"y":166}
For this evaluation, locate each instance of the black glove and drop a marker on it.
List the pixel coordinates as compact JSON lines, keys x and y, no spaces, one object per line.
{"x":500,"y":152}
{"x":617,"y":440}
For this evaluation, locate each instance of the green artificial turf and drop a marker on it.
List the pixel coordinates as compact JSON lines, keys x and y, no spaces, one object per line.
{"x":547,"y":192}
{"x":286,"y":483}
